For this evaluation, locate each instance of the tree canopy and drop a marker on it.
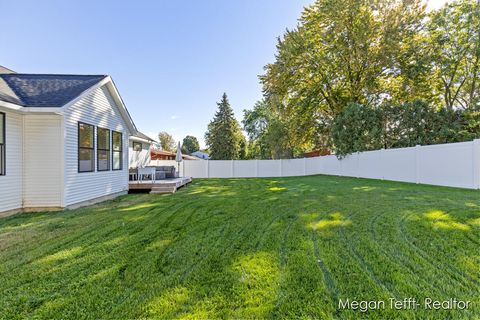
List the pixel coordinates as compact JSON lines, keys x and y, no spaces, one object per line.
{"x":366,"y":54}
{"x":166,"y":141}
{"x":190,"y":144}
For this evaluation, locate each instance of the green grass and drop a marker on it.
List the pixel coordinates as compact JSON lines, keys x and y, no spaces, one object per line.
{"x":246,"y":248}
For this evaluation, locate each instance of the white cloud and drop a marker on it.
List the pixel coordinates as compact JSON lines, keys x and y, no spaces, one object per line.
{"x":174,"y":117}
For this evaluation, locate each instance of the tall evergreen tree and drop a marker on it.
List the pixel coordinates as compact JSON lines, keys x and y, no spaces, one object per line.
{"x":224,"y":136}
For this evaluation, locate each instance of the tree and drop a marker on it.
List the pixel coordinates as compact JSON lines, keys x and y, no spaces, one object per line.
{"x":267,"y":132}
{"x":342,"y":52}
{"x":357,"y":128}
{"x":454,"y":39}
{"x":224,"y":136}
{"x":166,"y":141}
{"x":363,"y":128}
{"x":190,"y":145}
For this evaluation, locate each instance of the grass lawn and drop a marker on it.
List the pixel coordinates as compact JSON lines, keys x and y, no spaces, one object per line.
{"x":246,"y":248}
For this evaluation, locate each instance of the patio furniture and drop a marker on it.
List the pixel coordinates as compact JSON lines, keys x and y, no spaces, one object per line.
{"x":160,"y":175}
{"x":146,"y":172}
{"x":133,"y":174}
{"x":165,"y":172}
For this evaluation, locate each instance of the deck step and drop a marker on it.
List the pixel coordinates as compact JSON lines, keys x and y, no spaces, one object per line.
{"x":163,"y":189}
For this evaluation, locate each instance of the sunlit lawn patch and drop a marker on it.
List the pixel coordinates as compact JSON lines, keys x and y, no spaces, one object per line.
{"x":246,"y":248}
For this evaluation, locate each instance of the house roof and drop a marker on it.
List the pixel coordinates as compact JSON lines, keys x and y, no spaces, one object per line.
{"x":5,"y":70}
{"x":143,"y":136}
{"x":44,"y":90}
{"x":156,"y":153}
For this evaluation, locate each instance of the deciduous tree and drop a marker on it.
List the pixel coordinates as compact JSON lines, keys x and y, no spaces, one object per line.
{"x":166,"y":141}
{"x":190,"y":144}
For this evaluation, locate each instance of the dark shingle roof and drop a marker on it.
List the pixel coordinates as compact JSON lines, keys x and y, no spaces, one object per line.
{"x":44,"y":90}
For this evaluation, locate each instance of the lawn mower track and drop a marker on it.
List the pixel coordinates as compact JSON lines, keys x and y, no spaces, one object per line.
{"x":246,"y":248}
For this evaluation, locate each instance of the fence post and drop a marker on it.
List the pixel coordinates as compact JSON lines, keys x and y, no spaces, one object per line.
{"x":417,"y":163}
{"x":358,"y":165}
{"x":476,"y":163}
{"x":281,"y":167}
{"x":208,"y":169}
{"x":304,"y":166}
{"x":232,"y":169}
{"x":382,"y":164}
{"x":256,"y":168}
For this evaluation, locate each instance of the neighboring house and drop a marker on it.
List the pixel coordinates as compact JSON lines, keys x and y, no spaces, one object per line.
{"x":139,"y":147}
{"x":167,"y":155}
{"x":201,"y":155}
{"x":317,"y":153}
{"x":63,"y":140}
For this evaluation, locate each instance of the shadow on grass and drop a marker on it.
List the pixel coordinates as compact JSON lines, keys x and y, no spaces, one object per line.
{"x":219,"y":248}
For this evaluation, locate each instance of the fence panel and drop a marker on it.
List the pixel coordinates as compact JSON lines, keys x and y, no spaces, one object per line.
{"x":454,"y":164}
{"x":313,"y":166}
{"x":450,"y":166}
{"x":293,"y":167}
{"x":370,"y":164}
{"x":244,"y":168}
{"x":269,"y":168}
{"x":220,"y":168}
{"x":194,"y":168}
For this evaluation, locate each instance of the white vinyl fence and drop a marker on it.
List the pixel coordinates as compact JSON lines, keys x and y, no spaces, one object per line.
{"x":453,"y":164}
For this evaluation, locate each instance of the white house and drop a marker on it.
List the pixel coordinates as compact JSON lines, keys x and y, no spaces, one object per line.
{"x":63,"y":140}
{"x":139,"y":147}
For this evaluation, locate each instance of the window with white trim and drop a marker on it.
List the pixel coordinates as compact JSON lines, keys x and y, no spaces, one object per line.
{"x":86,"y":147}
{"x":117,"y":151}
{"x":103,"y":149}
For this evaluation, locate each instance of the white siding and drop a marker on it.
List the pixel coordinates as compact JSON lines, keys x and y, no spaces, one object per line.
{"x":97,"y":109}
{"x":138,"y":158}
{"x":11,"y":184}
{"x":43,"y":151}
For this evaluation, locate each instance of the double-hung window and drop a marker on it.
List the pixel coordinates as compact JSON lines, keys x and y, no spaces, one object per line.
{"x":103,"y":149}
{"x":3,"y":155}
{"x":117,"y":150}
{"x":86,"y":148}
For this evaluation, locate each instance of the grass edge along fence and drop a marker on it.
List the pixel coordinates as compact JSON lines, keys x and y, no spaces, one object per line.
{"x":451,"y":164}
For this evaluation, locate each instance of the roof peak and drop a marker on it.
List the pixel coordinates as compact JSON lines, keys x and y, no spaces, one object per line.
{"x":44,"y":90}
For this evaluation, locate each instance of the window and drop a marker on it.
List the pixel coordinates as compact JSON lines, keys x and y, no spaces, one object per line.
{"x":2,"y":144}
{"x":137,"y":146}
{"x":103,"y":149}
{"x":117,"y":148}
{"x":86,"y":156}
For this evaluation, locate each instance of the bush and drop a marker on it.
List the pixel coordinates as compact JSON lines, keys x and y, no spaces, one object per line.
{"x":357,"y":128}
{"x":363,"y":128}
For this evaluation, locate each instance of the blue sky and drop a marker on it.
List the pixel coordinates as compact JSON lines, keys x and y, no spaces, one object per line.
{"x":171,"y":60}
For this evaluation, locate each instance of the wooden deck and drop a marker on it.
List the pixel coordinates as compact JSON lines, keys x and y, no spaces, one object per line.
{"x":160,"y":186}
